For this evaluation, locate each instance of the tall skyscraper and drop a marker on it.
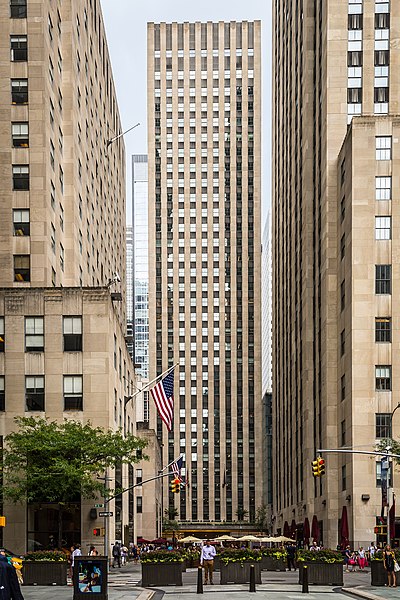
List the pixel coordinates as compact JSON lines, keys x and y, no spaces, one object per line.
{"x":204,"y":112}
{"x":336,"y":131}
{"x":62,"y":245}
{"x":140,"y":264}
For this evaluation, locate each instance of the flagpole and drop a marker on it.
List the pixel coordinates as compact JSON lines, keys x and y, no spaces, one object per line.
{"x":129,"y":398}
{"x":172,"y":461}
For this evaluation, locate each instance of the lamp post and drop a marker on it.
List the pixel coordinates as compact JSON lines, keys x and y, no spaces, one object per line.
{"x":389,"y":472}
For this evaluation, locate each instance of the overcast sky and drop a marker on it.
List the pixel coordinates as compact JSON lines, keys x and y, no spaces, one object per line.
{"x":125,"y":22}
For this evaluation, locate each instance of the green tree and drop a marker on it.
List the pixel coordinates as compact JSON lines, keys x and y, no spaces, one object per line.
{"x":261,"y":520}
{"x":241,"y":514}
{"x":48,"y":461}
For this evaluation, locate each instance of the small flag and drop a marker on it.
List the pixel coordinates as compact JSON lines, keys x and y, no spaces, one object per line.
{"x":163,"y":395}
{"x":176,"y":467}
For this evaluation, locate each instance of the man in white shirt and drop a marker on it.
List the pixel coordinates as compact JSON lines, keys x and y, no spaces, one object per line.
{"x":207,"y":561}
{"x":76,"y":552}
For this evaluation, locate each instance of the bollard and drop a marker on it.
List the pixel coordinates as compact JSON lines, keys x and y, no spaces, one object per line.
{"x":199,"y":580}
{"x":305,"y":580}
{"x":252,"y":579}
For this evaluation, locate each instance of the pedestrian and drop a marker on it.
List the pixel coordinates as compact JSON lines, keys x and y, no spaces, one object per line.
{"x":207,"y":561}
{"x":291,"y":554}
{"x":135,"y":554}
{"x":124,"y":555}
{"x":361,"y":558}
{"x":388,"y":563}
{"x":353,"y":562}
{"x":347,"y":557}
{"x":93,"y":551}
{"x":116,"y":552}
{"x":9,"y":586}
{"x":76,"y":552}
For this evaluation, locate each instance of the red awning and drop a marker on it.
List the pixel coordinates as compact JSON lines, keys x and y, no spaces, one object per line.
{"x":286,"y":530}
{"x":392,"y":518}
{"x":293,"y":530}
{"x":306,"y":530}
{"x":315,"y":534}
{"x":344,"y":528}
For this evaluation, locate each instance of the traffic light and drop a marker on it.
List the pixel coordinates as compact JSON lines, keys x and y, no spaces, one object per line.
{"x":176,"y":486}
{"x":380,"y":529}
{"x":2,"y":521}
{"x":315,"y":468}
{"x":96,"y":531}
{"x":321,"y":466}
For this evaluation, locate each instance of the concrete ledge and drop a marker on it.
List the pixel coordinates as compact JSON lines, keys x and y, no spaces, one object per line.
{"x":145,"y":594}
{"x":361,"y":593}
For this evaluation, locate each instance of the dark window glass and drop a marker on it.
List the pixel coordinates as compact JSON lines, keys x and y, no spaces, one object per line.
{"x":20,"y":177}
{"x":355,"y":21}
{"x":2,"y":335}
{"x":72,"y":334}
{"x":381,"y":94}
{"x":383,"y":378}
{"x":383,"y":279}
{"x":383,"y":329}
{"x":18,"y":9}
{"x":19,"y":91}
{"x":22,"y":267}
{"x":21,"y":222}
{"x":381,"y":58}
{"x":73,"y":395}
{"x":382,"y":20}
{"x":383,"y":427}
{"x":2,"y":394}
{"x":354,"y":58}
{"x":34,"y":334}
{"x":34,"y":392}
{"x":139,"y":504}
{"x":19,"y":48}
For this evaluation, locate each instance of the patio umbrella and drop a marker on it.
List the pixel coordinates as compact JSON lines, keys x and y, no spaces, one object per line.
{"x":286,"y":530}
{"x":293,"y":529}
{"x":392,"y":517}
{"x":225,"y":538}
{"x":248,"y":538}
{"x":306,"y":531}
{"x":344,"y":528}
{"x":315,"y":529}
{"x":283,"y":538}
{"x":267,"y":539}
{"x":189,"y":538}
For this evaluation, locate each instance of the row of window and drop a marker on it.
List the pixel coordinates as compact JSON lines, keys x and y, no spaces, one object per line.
{"x":35,"y":392}
{"x":34,"y":334}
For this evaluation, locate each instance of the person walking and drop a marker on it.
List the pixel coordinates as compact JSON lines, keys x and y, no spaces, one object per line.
{"x":388,"y":563}
{"x":361,"y":558}
{"x":116,"y":552}
{"x":291,"y":554}
{"x":9,"y":586}
{"x":93,"y":551}
{"x":76,"y":552}
{"x":207,"y":561}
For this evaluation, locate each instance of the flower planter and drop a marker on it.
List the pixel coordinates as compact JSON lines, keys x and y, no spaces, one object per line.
{"x":268,"y":563}
{"x":161,"y":574}
{"x":217,"y":563}
{"x":322,"y":573}
{"x":45,"y":573}
{"x":378,"y":574}
{"x":194,"y":563}
{"x":237,"y":572}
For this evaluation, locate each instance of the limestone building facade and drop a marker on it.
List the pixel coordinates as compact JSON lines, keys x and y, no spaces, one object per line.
{"x":335,"y":174}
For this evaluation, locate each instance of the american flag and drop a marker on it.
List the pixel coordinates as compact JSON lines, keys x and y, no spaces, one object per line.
{"x":176,"y":467}
{"x":163,"y":395}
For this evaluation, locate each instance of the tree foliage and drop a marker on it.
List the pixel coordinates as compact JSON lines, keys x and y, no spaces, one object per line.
{"x":241,"y":514}
{"x":261,"y":520}
{"x":48,"y":461}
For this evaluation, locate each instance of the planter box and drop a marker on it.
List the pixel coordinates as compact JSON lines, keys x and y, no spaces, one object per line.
{"x":239,"y":572}
{"x":378,"y":574}
{"x":161,"y":574}
{"x":217,"y":563}
{"x":272,"y":564}
{"x":322,"y":573}
{"x":45,"y":573}
{"x":194,"y":563}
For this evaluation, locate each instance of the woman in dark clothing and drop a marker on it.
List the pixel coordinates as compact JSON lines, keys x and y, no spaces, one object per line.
{"x":388,"y":563}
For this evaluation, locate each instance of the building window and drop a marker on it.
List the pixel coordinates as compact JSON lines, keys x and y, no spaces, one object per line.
{"x":34,"y":334}
{"x":383,"y":329}
{"x":383,"y":425}
{"x":139,"y":476}
{"x":20,"y":135}
{"x":2,"y":335}
{"x":19,"y":91}
{"x":2,"y":394}
{"x":18,"y":9}
{"x":383,"y":188}
{"x":20,"y":177}
{"x":342,"y":247}
{"x":383,"y":279}
{"x":342,"y":295}
{"x":22,"y":267}
{"x":343,"y":387}
{"x":19,"y":48}
{"x":378,"y":474}
{"x":381,"y":58}
{"x":383,"y":378}
{"x":146,"y":407}
{"x":21,"y":222}
{"x":383,"y":146}
{"x":343,"y":433}
{"x":354,"y":95}
{"x":73,"y":397}
{"x":139,"y":504}
{"x":344,"y":478}
{"x":72,"y":329}
{"x":383,"y":228}
{"x":342,"y":342}
{"x":34,"y":392}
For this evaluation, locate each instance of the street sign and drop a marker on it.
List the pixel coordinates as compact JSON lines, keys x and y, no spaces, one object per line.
{"x":106,"y":513}
{"x":99,"y":505}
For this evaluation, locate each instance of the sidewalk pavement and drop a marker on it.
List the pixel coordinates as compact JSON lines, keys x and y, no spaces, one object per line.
{"x":372,"y":593}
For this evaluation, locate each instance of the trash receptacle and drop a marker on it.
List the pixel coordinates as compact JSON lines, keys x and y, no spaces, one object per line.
{"x":90,"y":576}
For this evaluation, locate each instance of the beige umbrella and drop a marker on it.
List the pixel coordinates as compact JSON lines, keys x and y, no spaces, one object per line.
{"x":225,"y":538}
{"x":248,"y":538}
{"x":267,"y":539}
{"x":189,"y":538}
{"x":283,"y":538}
